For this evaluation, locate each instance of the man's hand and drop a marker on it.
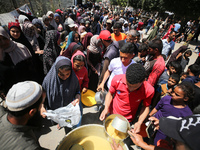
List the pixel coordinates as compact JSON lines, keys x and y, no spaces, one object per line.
{"x":136,"y":138}
{"x":137,"y":127}
{"x":116,"y":146}
{"x":42,"y":110}
{"x":155,"y":122}
{"x":100,"y":87}
{"x":103,"y":114}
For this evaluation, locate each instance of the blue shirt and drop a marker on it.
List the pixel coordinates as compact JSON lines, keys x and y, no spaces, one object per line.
{"x":177,"y":26}
{"x":167,"y":47}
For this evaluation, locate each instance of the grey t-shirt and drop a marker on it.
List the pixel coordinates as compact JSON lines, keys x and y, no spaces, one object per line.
{"x":112,"y":51}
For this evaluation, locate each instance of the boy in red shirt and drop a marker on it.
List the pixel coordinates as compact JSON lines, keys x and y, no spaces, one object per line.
{"x":129,"y":90}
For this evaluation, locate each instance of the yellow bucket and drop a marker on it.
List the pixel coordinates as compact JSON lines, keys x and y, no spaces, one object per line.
{"x":88,"y":98}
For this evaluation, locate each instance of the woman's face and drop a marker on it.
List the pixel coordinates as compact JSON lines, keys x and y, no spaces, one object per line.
{"x":76,"y":38}
{"x":64,"y":74}
{"x":4,"y":42}
{"x":46,"y":22}
{"x":57,"y":19}
{"x":50,"y":17}
{"x":15,"y":32}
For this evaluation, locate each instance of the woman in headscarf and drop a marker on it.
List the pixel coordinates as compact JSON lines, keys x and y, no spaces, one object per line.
{"x":17,"y":35}
{"x":86,"y":40}
{"x":96,"y":28}
{"x":30,"y":33}
{"x":73,"y":37}
{"x":61,"y":86}
{"x":81,"y":29}
{"x":57,"y":19}
{"x":51,"y":49}
{"x":50,"y":15}
{"x":40,"y":27}
{"x":79,"y":19}
{"x":46,"y":23}
{"x":22,"y":19}
{"x":15,"y":61}
{"x":40,"y":32}
{"x":93,"y":60}
{"x":73,"y":47}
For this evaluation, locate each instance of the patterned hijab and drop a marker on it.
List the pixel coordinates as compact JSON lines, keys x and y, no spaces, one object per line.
{"x":30,"y":33}
{"x":51,"y":45}
{"x":93,"y":47}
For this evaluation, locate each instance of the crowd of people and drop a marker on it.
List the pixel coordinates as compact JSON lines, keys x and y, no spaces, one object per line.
{"x":71,"y":51}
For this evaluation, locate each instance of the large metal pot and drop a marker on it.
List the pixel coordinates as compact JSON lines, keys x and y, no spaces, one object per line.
{"x":76,"y":135}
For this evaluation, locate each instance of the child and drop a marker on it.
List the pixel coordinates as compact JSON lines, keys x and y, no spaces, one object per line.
{"x":173,"y":67}
{"x":193,"y":74}
{"x":184,"y":60}
{"x":78,"y":62}
{"x":165,"y":89}
{"x":64,"y":43}
{"x":183,"y":76}
{"x":142,"y":52}
{"x":174,"y":105}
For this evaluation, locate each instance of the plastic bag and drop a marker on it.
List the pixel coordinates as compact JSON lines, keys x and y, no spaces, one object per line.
{"x":67,"y":116}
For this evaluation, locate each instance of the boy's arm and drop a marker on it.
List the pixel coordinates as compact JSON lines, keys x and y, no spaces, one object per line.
{"x":105,"y":77}
{"x":153,"y":112}
{"x":143,"y":114}
{"x":108,"y":101}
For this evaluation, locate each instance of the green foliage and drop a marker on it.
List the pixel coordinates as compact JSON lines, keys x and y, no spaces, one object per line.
{"x":122,"y":3}
{"x":152,"y":5}
{"x":113,"y":2}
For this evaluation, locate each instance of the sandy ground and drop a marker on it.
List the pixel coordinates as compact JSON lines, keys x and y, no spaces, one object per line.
{"x":49,"y":136}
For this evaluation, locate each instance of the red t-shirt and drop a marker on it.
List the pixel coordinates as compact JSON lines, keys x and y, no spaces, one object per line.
{"x":126,"y":103}
{"x":158,"y":69}
{"x":82,"y":76}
